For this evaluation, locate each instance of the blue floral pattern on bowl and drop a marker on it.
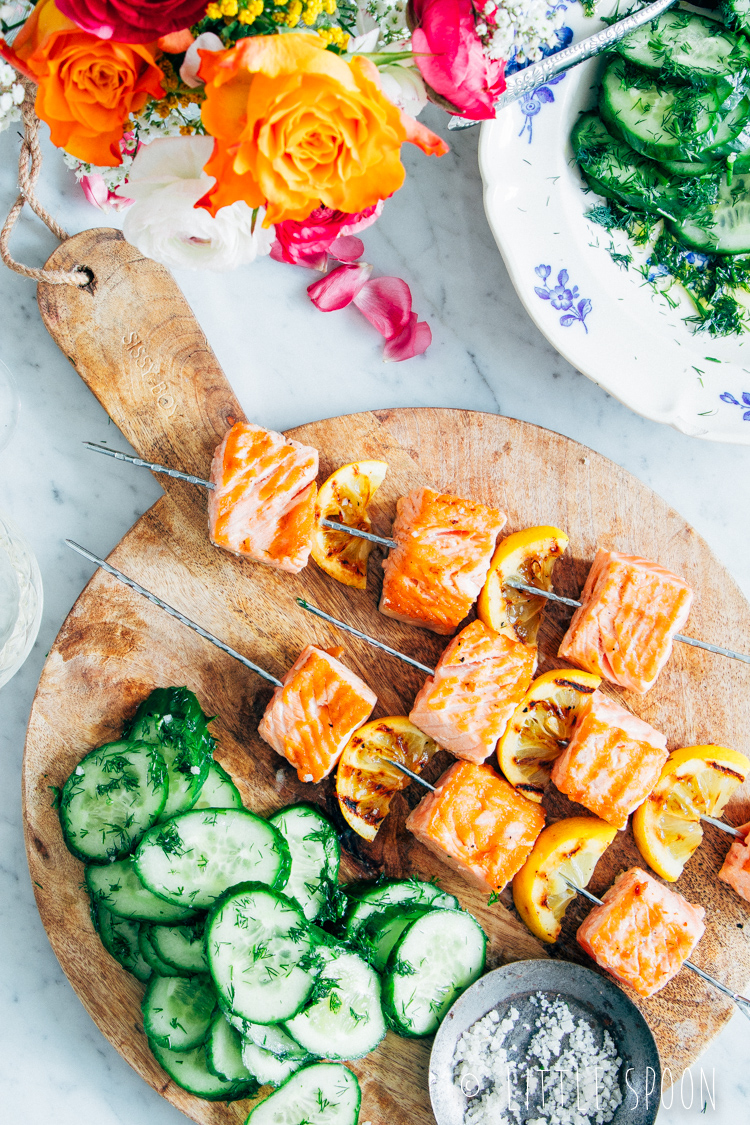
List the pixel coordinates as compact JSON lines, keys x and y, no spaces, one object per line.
{"x":543,"y":95}
{"x":726,"y":397}
{"x":562,"y":297}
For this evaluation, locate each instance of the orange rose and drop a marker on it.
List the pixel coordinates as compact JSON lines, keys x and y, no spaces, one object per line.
{"x":88,"y":87}
{"x":295,"y":126}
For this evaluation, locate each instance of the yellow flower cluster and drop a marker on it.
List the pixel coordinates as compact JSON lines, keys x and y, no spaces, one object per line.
{"x":292,"y":13}
{"x":249,"y":14}
{"x":334,"y":36}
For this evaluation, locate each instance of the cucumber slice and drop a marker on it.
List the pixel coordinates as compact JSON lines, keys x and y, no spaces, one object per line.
{"x":731,"y":135}
{"x":659,"y":120}
{"x":736,"y":14}
{"x":120,"y":939}
{"x":390,"y":893}
{"x":189,"y":1069}
{"x":345,"y":1019}
{"x":172,"y":720}
{"x":685,"y":47}
{"x":268,"y":1036}
{"x":321,"y":1094}
{"x":615,"y":170}
{"x":194,"y":858}
{"x":260,"y":952}
{"x":380,"y":934}
{"x":182,"y":947}
{"x":224,"y":1052}
{"x":178,"y":1011}
{"x":271,"y":1037}
{"x":268,"y":1068}
{"x":689,"y":168}
{"x":152,"y":958}
{"x":723,"y":228}
{"x":119,"y":889}
{"x":112,"y":796}
{"x":437,"y":958}
{"x":315,"y":853}
{"x":219,"y":791}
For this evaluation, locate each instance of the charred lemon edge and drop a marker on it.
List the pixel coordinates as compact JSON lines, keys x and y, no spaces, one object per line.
{"x":537,"y":693}
{"x":552,"y":839}
{"x":542,"y":542}
{"x":647,"y":814}
{"x":373,"y":472}
{"x":398,"y":724}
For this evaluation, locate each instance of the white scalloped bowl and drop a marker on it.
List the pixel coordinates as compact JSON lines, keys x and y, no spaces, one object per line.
{"x":602,"y":318}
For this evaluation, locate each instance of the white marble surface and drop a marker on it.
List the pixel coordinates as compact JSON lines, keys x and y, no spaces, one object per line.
{"x":289,"y":364}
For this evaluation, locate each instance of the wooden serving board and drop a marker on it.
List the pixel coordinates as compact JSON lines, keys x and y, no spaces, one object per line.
{"x":134,"y":340}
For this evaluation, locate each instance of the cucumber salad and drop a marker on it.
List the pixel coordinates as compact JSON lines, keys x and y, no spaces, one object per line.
{"x":261,"y":971}
{"x":668,"y":148}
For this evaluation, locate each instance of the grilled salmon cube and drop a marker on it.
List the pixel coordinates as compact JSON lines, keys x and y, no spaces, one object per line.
{"x":478,"y":683}
{"x":312,"y":716}
{"x":262,"y":505}
{"x":444,"y":549}
{"x":630,"y":611}
{"x":736,"y":867}
{"x":643,"y":932}
{"x":612,"y":762}
{"x":477,"y":824}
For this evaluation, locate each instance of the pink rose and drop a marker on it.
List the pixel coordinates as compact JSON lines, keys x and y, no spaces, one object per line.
{"x":132,"y":21}
{"x":451,"y":56}
{"x":310,"y":241}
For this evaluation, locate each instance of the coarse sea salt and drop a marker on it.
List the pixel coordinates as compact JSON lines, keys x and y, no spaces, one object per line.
{"x":565,"y":1078}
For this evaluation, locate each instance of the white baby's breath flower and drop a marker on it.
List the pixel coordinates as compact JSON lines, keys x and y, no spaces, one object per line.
{"x":11,"y":96}
{"x":166,"y":180}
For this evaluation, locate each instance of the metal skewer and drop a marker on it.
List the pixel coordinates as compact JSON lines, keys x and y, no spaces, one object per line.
{"x":728,"y":828}
{"x":172,"y":611}
{"x":413,"y":776}
{"x":678,"y":636}
{"x":363,"y":636}
{"x":390,"y":544}
{"x":742,"y":1003}
{"x":157,"y":468}
{"x":531,"y":77}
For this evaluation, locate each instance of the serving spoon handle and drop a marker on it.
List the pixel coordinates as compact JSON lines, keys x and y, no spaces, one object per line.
{"x":531,"y":77}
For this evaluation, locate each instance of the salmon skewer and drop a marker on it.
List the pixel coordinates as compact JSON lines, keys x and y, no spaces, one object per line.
{"x":736,"y":867}
{"x":612,"y":762}
{"x":662,"y":921}
{"x":478,"y":824}
{"x":469,"y":700}
{"x":314,"y":710}
{"x":442,"y":553}
{"x":643,"y":932}
{"x":640,"y":672}
{"x":262,"y":505}
{"x":630,"y":611}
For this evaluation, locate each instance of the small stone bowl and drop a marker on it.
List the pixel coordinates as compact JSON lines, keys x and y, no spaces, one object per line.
{"x":587,"y":994}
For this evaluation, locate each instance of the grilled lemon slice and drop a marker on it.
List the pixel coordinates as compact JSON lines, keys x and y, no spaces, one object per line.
{"x":542,"y":726}
{"x":344,"y":498}
{"x":529,"y":557}
{"x":697,"y":780}
{"x":365,"y":783}
{"x":571,"y":848}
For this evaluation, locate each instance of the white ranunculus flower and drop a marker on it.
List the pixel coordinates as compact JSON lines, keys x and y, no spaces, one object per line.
{"x":402,"y":83}
{"x":166,"y":180}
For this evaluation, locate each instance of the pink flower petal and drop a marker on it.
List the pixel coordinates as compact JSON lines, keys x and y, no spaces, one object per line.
{"x":386,"y":302}
{"x":347,"y":248}
{"x":413,"y":340}
{"x":339,"y":288}
{"x":312,"y":259}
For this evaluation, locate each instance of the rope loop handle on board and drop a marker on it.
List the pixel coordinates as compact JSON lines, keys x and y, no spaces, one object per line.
{"x":29,"y":167}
